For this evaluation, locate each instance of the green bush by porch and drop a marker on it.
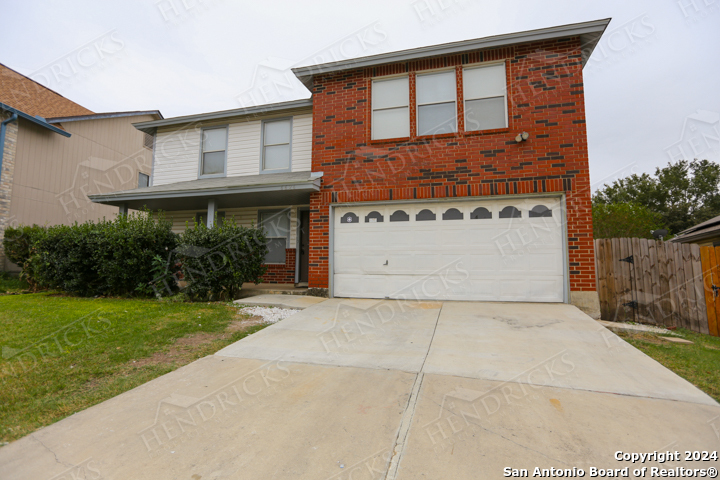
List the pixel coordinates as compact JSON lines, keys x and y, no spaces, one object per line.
{"x":138,"y":255}
{"x":217,"y":261}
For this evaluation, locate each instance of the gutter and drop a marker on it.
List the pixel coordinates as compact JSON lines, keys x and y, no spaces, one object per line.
{"x":109,"y":198}
{"x":37,"y":120}
{"x":270,"y":108}
{"x":3,"y":127}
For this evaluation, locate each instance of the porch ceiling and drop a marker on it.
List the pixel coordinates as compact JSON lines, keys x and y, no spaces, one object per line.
{"x":291,"y":188}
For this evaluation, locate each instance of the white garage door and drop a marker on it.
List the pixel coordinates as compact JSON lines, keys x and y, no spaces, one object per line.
{"x":497,"y":250}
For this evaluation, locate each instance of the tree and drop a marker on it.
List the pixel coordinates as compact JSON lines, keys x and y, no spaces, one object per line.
{"x":617,"y":220}
{"x":684,"y":193}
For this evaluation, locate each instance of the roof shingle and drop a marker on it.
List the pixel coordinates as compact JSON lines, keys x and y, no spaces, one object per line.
{"x":26,"y":95}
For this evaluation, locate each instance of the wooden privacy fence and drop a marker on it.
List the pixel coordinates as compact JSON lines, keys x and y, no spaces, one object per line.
{"x":661,"y":283}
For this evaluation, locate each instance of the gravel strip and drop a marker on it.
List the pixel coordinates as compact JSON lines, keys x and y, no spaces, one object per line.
{"x":269,"y":314}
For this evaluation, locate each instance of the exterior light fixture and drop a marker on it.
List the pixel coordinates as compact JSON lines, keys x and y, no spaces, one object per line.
{"x":521,"y":137}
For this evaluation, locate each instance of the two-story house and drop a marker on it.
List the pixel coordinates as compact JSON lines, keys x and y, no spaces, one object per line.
{"x":455,"y":172}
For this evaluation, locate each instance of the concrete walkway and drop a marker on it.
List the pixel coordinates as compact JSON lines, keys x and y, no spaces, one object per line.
{"x":376,"y":389}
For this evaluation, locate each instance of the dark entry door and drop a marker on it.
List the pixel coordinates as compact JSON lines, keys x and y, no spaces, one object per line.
{"x":304,"y":245}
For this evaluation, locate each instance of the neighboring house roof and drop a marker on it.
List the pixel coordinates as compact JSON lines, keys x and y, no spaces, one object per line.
{"x":589,"y":33}
{"x":27,"y":95}
{"x":247,"y":190}
{"x":36,"y":120}
{"x":99,"y":116}
{"x":707,"y":229}
{"x":149,"y":127}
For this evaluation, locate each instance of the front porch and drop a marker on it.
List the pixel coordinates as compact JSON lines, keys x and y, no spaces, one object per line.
{"x":280,"y":202}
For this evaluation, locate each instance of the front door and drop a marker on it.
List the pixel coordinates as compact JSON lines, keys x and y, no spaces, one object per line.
{"x":304,"y":231}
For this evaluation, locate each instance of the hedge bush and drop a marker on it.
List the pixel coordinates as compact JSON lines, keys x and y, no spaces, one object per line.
{"x":139,"y":255}
{"x":110,"y":257}
{"x":217,"y":261}
{"x":18,"y":244}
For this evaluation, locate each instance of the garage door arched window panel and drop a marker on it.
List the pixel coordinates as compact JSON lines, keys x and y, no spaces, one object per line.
{"x":349,"y":217}
{"x":373,"y":217}
{"x":425,"y":215}
{"x":540,"y":211}
{"x":510,"y":212}
{"x":399,"y":216}
{"x":480,"y":213}
{"x":452,"y":214}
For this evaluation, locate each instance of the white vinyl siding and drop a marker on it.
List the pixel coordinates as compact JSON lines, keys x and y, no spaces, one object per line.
{"x":245,"y":217}
{"x":302,"y":143}
{"x":177,"y":153}
{"x":244,"y":149}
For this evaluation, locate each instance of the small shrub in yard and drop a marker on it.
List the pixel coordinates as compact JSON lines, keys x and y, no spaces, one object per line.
{"x":18,"y":243}
{"x":110,"y":257}
{"x":217,"y":261}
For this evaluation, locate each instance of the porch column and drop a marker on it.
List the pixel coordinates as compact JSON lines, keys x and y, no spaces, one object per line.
{"x":211,"y":213}
{"x":123,"y":209}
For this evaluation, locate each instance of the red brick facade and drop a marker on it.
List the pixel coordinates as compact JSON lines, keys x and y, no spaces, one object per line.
{"x":277,"y":273}
{"x":545,"y":99}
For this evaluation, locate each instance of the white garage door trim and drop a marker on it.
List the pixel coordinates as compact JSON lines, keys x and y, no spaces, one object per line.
{"x":558,"y":199}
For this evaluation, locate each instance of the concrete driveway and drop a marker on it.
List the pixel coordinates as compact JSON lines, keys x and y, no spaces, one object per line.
{"x":368,"y":389}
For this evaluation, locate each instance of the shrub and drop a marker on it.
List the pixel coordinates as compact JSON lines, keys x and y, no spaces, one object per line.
{"x":19,"y":246}
{"x":110,"y":257}
{"x":217,"y":261}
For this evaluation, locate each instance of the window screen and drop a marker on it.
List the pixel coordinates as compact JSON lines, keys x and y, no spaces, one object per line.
{"x":485,"y":97}
{"x":213,"y":151}
{"x":277,"y":135}
{"x":436,"y":110}
{"x":390,"y":111}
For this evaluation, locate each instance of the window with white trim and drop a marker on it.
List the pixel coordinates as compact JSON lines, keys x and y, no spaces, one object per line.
{"x":390,"y":108}
{"x":436,"y":103}
{"x":214,"y":150}
{"x":485,"y":94}
{"x":276,"y":224}
{"x":276,"y":154}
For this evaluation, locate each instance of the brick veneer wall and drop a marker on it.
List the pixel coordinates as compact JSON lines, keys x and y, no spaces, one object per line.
{"x":6,"y":180}
{"x":545,"y":98}
{"x":282,"y":273}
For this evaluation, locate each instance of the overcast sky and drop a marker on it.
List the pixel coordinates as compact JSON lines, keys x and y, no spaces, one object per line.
{"x":652,"y":87}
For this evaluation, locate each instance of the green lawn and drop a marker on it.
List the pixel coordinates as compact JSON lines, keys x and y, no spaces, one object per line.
{"x":698,"y":363}
{"x":11,"y":284}
{"x":62,"y":354}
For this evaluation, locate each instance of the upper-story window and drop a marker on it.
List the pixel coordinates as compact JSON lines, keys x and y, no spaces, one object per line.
{"x":214,"y":152}
{"x":436,"y":103}
{"x":276,"y":151}
{"x":484,"y":92}
{"x":390,"y":108}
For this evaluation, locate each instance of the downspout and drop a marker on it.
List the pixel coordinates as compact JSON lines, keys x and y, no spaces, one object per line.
{"x":3,"y":126}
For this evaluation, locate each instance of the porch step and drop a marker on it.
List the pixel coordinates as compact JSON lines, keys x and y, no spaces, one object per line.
{"x":252,"y":290}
